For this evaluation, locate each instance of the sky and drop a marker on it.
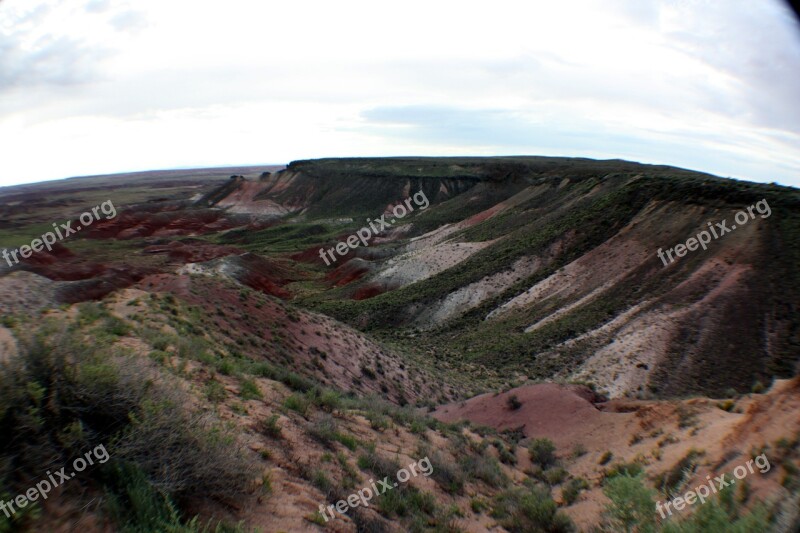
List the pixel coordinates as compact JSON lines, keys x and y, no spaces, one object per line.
{"x":105,"y":86}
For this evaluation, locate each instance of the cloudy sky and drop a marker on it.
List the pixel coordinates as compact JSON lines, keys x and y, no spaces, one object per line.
{"x":101,"y":86}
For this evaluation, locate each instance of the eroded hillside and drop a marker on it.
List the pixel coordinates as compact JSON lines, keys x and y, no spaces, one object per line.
{"x":525,"y":305}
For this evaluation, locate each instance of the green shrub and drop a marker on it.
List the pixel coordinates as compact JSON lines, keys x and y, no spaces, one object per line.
{"x":632,"y":469}
{"x":136,"y":507}
{"x":721,"y":513}
{"x":61,"y":396}
{"x":445,"y":472}
{"x":271,"y":427}
{"x":227,"y":367}
{"x":326,"y":432}
{"x":184,"y":454}
{"x":90,"y":312}
{"x":572,"y":489}
{"x":116,"y":326}
{"x":348,"y":441}
{"x":522,"y":510}
{"x":478,"y":505}
{"x":296,"y":382}
{"x":378,"y":421}
{"x":249,"y":390}
{"x":378,"y":465}
{"x":215,"y":391}
{"x":542,"y":452}
{"x":298,"y":403}
{"x":328,"y":400}
{"x":406,"y":500}
{"x":507,"y":455}
{"x":670,"y":481}
{"x":321,"y":481}
{"x":485,"y":468}
{"x":159,"y":357}
{"x":555,"y":476}
{"x":632,"y":507}
{"x":605,"y":458}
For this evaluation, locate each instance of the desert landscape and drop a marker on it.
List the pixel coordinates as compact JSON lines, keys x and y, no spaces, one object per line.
{"x":425,"y":267}
{"x":520,"y":333}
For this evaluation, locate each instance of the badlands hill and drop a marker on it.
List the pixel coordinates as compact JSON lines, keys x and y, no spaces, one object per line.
{"x":525,"y":301}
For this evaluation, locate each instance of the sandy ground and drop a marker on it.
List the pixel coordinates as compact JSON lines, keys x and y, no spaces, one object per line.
{"x":655,"y":433}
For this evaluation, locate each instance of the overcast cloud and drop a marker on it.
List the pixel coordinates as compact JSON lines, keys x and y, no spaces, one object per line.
{"x":99,"y":86}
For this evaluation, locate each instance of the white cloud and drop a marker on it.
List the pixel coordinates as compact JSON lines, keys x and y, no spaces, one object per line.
{"x":105,"y":86}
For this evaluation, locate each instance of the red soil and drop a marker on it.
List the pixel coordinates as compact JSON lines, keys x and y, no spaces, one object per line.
{"x":349,"y":272}
{"x":110,"y":280}
{"x":310,"y":344}
{"x":61,"y":264}
{"x":561,"y":413}
{"x":165,"y":222}
{"x":369,"y":291}
{"x":195,"y":251}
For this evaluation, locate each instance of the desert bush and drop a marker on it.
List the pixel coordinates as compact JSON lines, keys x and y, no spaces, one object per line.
{"x":445,"y":472}
{"x":572,"y":489}
{"x":485,"y":468}
{"x":215,"y":391}
{"x":378,"y":421}
{"x":406,"y":500}
{"x":116,"y":326}
{"x":632,"y":506}
{"x":523,"y":510}
{"x":507,"y":455}
{"x":632,"y":469}
{"x":184,"y":453}
{"x":542,"y":452}
{"x":61,"y":396}
{"x":555,"y":475}
{"x":90,"y":312}
{"x":327,"y":399}
{"x":271,"y":428}
{"x":605,"y":458}
{"x":138,"y":508}
{"x":227,"y":367}
{"x":378,"y":465}
{"x":712,"y":517}
{"x":325,"y":430}
{"x":249,"y":390}
{"x":298,"y":403}
{"x":478,"y":505}
{"x":671,"y":480}
{"x":320,"y":480}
